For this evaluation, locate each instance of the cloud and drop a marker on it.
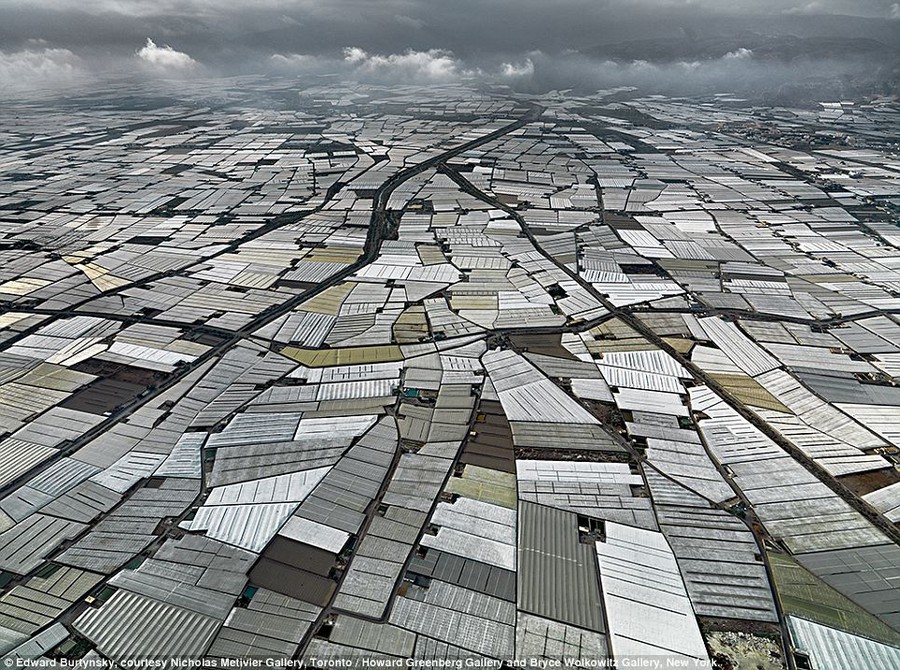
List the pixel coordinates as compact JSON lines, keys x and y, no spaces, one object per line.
{"x":433,"y":65}
{"x":355,"y":55}
{"x":520,"y":43}
{"x":523,"y":69}
{"x":412,"y":66}
{"x":39,"y":68}
{"x":303,"y":64}
{"x":357,"y":64}
{"x":165,"y":57}
{"x":742,"y":74}
{"x":294,"y":61}
{"x":739,"y":54}
{"x":739,"y":71}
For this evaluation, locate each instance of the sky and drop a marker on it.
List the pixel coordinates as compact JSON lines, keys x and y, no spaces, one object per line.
{"x":528,"y":44}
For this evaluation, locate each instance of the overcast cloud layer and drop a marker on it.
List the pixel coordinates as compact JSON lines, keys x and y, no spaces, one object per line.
{"x":666,"y":45}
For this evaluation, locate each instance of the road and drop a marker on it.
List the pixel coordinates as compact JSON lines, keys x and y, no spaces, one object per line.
{"x":629,"y":318}
{"x":379,"y":229}
{"x":382,"y":227}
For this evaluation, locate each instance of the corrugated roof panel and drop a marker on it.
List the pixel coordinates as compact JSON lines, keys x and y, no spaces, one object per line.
{"x":467,"y":545}
{"x":61,"y":476}
{"x":36,"y":603}
{"x":819,"y":415}
{"x":886,"y":500}
{"x":465,"y":514}
{"x":526,"y":395}
{"x":417,"y":481}
{"x":84,"y":502}
{"x":648,"y":610}
{"x":292,"y":487}
{"x":19,"y":504}
{"x":791,"y":502}
{"x":128,"y":470}
{"x":470,"y":620}
{"x":557,"y":577}
{"x":242,"y":463}
{"x":816,"y":357}
{"x":347,"y":426}
{"x":494,"y":524}
{"x":654,"y":361}
{"x":131,"y":526}
{"x":346,"y":491}
{"x":537,"y":637}
{"x":716,"y":552}
{"x":248,"y":526}
{"x":563,"y":436}
{"x":830,"y":648}
{"x":465,"y":572}
{"x":577,"y":471}
{"x":184,"y":460}
{"x":129,"y":625}
{"x":18,"y":456}
{"x":600,"y":500}
{"x":842,"y":387}
{"x":315,"y":534}
{"x":870,"y":576}
{"x":41,"y":643}
{"x":651,"y":401}
{"x":250,"y":428}
{"x":271,"y":625}
{"x":23,"y":547}
{"x":379,"y":638}
{"x":373,"y":388}
{"x":690,"y":465}
{"x":745,"y":353}
{"x":637,"y":379}
{"x":592,"y":389}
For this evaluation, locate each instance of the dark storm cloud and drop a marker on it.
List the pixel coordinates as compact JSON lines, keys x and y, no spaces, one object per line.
{"x":432,"y":40}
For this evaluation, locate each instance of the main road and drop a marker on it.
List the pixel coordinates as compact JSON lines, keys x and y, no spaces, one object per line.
{"x":380,"y":228}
